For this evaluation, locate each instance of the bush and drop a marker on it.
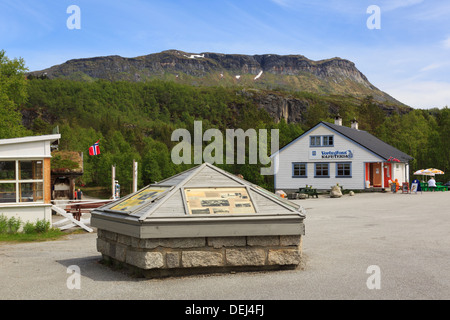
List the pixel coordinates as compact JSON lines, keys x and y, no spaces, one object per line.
{"x":29,"y":228}
{"x":3,"y":224}
{"x":14,"y":225}
{"x":42,"y":226}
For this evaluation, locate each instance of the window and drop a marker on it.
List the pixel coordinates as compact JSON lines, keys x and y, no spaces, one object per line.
{"x":299,"y":170}
{"x":7,"y":170}
{"x":21,"y":181}
{"x":30,"y":169}
{"x":321,"y":141}
{"x":7,"y":192}
{"x":314,"y":141}
{"x":328,"y":141}
{"x":321,"y":170}
{"x":343,"y":170}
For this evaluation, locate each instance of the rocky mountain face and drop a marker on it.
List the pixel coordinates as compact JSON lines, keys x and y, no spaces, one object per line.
{"x":268,"y":71}
{"x":293,"y":109}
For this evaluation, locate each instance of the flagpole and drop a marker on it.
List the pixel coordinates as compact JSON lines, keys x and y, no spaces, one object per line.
{"x":113,"y":182}
{"x":135,"y":178}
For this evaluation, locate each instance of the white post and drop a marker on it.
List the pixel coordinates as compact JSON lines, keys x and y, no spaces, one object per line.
{"x":135,"y":175}
{"x":407,"y":172}
{"x":113,"y":179}
{"x":382,"y":176}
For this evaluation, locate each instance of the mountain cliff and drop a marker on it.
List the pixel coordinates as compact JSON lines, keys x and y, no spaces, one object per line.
{"x":267,"y":71}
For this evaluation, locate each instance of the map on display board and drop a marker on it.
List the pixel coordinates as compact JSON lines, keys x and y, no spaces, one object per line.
{"x":143,"y":196}
{"x":218,"y":200}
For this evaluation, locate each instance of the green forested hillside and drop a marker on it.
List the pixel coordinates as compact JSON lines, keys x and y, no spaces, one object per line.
{"x":136,"y":120}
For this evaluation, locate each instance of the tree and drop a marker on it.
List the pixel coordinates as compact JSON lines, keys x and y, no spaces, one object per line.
{"x":12,"y":94}
{"x":371,"y":116}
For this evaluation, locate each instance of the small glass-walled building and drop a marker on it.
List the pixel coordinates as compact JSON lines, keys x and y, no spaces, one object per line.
{"x":25,"y":184}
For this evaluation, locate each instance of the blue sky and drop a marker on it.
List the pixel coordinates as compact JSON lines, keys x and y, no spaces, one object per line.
{"x":409,"y":57}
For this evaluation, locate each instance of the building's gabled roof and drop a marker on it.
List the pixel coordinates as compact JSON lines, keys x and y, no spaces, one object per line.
{"x":370,"y":142}
{"x":363,"y":138}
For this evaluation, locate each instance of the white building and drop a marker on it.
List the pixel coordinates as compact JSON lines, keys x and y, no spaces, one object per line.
{"x":330,"y":154}
{"x":25,"y":183}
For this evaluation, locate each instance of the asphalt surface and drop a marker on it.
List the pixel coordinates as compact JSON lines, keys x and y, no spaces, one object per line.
{"x":405,"y":238}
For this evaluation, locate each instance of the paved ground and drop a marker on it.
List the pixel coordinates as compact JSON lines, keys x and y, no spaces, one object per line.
{"x":406,"y":236}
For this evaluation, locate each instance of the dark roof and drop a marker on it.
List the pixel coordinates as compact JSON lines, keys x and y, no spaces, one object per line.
{"x":370,"y":142}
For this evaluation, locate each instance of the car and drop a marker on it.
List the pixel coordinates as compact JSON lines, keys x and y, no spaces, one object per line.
{"x":447,"y":184}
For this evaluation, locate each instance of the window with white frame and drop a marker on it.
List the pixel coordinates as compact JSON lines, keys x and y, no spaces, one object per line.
{"x":21,"y":181}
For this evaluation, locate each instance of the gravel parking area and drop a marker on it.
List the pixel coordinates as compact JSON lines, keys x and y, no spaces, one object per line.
{"x":403,"y":236}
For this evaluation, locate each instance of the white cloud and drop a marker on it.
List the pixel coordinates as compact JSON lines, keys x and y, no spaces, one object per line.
{"x":431,"y":67}
{"x":283,"y":3}
{"x":421,"y":94}
{"x":396,"y":4}
{"x":437,"y":11}
{"x":446,"y":43}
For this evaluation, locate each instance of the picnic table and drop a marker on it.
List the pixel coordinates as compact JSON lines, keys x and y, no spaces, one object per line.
{"x":439,"y":187}
{"x":77,"y":208}
{"x":309,"y":191}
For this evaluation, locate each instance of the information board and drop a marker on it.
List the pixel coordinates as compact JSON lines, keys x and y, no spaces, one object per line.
{"x":218,"y":200}
{"x":394,"y":187}
{"x":139,"y":198}
{"x":405,"y":187}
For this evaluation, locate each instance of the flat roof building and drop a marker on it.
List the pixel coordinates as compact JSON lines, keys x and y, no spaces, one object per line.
{"x":25,"y":184}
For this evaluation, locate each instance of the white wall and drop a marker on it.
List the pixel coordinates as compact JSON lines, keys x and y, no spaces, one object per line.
{"x":399,"y":172}
{"x":299,"y":151}
{"x":30,"y":213}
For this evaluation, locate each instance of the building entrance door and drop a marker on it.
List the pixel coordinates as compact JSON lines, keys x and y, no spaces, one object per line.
{"x":375,"y":174}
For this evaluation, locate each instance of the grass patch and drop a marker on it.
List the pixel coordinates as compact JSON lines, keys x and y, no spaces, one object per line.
{"x":51,"y":234}
{"x":14,"y":230}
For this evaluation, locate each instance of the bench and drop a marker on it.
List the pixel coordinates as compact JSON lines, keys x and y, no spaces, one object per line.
{"x":309,"y":191}
{"x":78,"y":208}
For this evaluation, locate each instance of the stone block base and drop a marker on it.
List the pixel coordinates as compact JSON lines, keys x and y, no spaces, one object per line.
{"x":184,"y":256}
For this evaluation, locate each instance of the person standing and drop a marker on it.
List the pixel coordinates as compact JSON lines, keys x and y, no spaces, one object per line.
{"x":79,"y":194}
{"x":432,"y":184}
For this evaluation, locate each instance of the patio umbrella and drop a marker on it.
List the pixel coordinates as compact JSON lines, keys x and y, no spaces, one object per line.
{"x":428,"y":172}
{"x":393,"y":159}
{"x":434,"y":171}
{"x":422,"y":172}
